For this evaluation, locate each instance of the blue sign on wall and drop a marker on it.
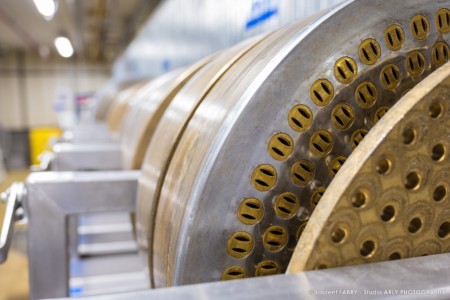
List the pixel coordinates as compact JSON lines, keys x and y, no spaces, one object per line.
{"x":262,"y":10}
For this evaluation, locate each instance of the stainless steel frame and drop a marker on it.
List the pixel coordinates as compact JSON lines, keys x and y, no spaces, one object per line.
{"x":86,"y":157}
{"x":414,"y":278}
{"x":50,"y":199}
{"x":87,"y":133}
{"x":14,"y":211}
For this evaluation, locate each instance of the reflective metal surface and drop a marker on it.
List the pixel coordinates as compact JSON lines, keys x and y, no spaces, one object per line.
{"x":86,"y":133}
{"x":13,"y":199}
{"x":104,"y":98}
{"x":342,"y":70}
{"x":146,"y":114}
{"x":427,"y":278}
{"x":168,"y":232}
{"x":140,"y":115}
{"x":86,"y":157}
{"x":242,"y":147}
{"x":120,"y":103}
{"x":107,"y":275}
{"x":168,"y":133}
{"x":390,"y":199}
{"x":51,"y":197}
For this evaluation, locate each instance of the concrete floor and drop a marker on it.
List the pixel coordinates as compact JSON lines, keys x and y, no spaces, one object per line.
{"x":14,"y":272}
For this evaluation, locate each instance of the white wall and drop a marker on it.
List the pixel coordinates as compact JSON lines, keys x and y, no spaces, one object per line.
{"x":29,"y":85}
{"x":181,"y":32}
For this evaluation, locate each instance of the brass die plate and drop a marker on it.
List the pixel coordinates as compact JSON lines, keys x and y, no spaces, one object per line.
{"x":391,"y":198}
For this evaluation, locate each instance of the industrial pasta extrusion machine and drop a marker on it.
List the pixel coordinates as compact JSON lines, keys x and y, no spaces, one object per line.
{"x":314,"y":150}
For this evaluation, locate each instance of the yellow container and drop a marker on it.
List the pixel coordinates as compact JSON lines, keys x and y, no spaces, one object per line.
{"x":39,"y":141}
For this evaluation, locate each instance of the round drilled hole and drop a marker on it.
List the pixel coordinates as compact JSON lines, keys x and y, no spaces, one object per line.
{"x":264,"y":177}
{"x":438,"y":152}
{"x":316,"y":196}
{"x":366,"y":94}
{"x":357,"y":137}
{"x":380,"y":113}
{"x":412,"y":181}
{"x":321,"y":92}
{"x":384,"y":166}
{"x":367,"y":248}
{"x":300,"y":230}
{"x":232,"y":273}
{"x":415,"y":225}
{"x":321,"y":143}
{"x":443,"y":20}
{"x":435,"y":110}
{"x":281,"y":146}
{"x":439,"y":193}
{"x":345,"y":70}
{"x":420,"y":27}
{"x":321,"y":267}
{"x":394,"y":37}
{"x":267,"y":267}
{"x":338,"y":235}
{"x":359,"y":199}
{"x":342,"y":116}
{"x":369,"y":51}
{"x":444,"y":230}
{"x":409,"y":136}
{"x":240,"y":244}
{"x":286,"y":205}
{"x":394,"y":256}
{"x":390,"y":77}
{"x":335,"y":165}
{"x":388,"y":214}
{"x":302,"y":172}
{"x":300,"y":118}
{"x":415,"y":63}
{"x":440,"y":54}
{"x":250,"y":211}
{"x":275,"y":238}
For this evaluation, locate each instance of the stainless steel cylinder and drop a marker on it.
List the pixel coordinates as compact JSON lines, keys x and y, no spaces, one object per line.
{"x":271,"y":134}
{"x":144,"y":116}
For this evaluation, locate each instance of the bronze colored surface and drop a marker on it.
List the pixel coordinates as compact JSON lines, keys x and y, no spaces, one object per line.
{"x":394,"y":37}
{"x":119,"y":105}
{"x":104,"y":104}
{"x":150,"y":111}
{"x":345,"y":70}
{"x":390,"y":200}
{"x":167,"y":136}
{"x":222,"y":158}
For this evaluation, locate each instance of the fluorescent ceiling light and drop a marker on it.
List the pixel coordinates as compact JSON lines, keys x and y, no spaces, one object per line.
{"x":47,"y":8}
{"x":64,"y":46}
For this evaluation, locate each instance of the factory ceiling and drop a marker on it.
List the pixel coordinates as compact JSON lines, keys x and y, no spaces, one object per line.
{"x":98,"y":29}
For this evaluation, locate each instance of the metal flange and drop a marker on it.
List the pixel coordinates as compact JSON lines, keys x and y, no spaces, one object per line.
{"x":391,"y":198}
{"x":269,"y":137}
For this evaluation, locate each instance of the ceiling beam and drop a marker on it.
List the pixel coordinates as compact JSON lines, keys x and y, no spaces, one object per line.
{"x":141,"y":12}
{"x":79,"y":23}
{"x":28,"y":40}
{"x":100,"y":14}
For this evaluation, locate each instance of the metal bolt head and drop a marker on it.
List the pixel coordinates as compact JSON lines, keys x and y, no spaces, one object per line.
{"x":19,"y":214}
{"x":4,"y":196}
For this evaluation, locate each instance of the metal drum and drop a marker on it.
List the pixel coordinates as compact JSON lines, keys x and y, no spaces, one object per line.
{"x":120,"y":104}
{"x":104,"y":98}
{"x":146,"y":114}
{"x":272,"y":132}
{"x":168,"y":133}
